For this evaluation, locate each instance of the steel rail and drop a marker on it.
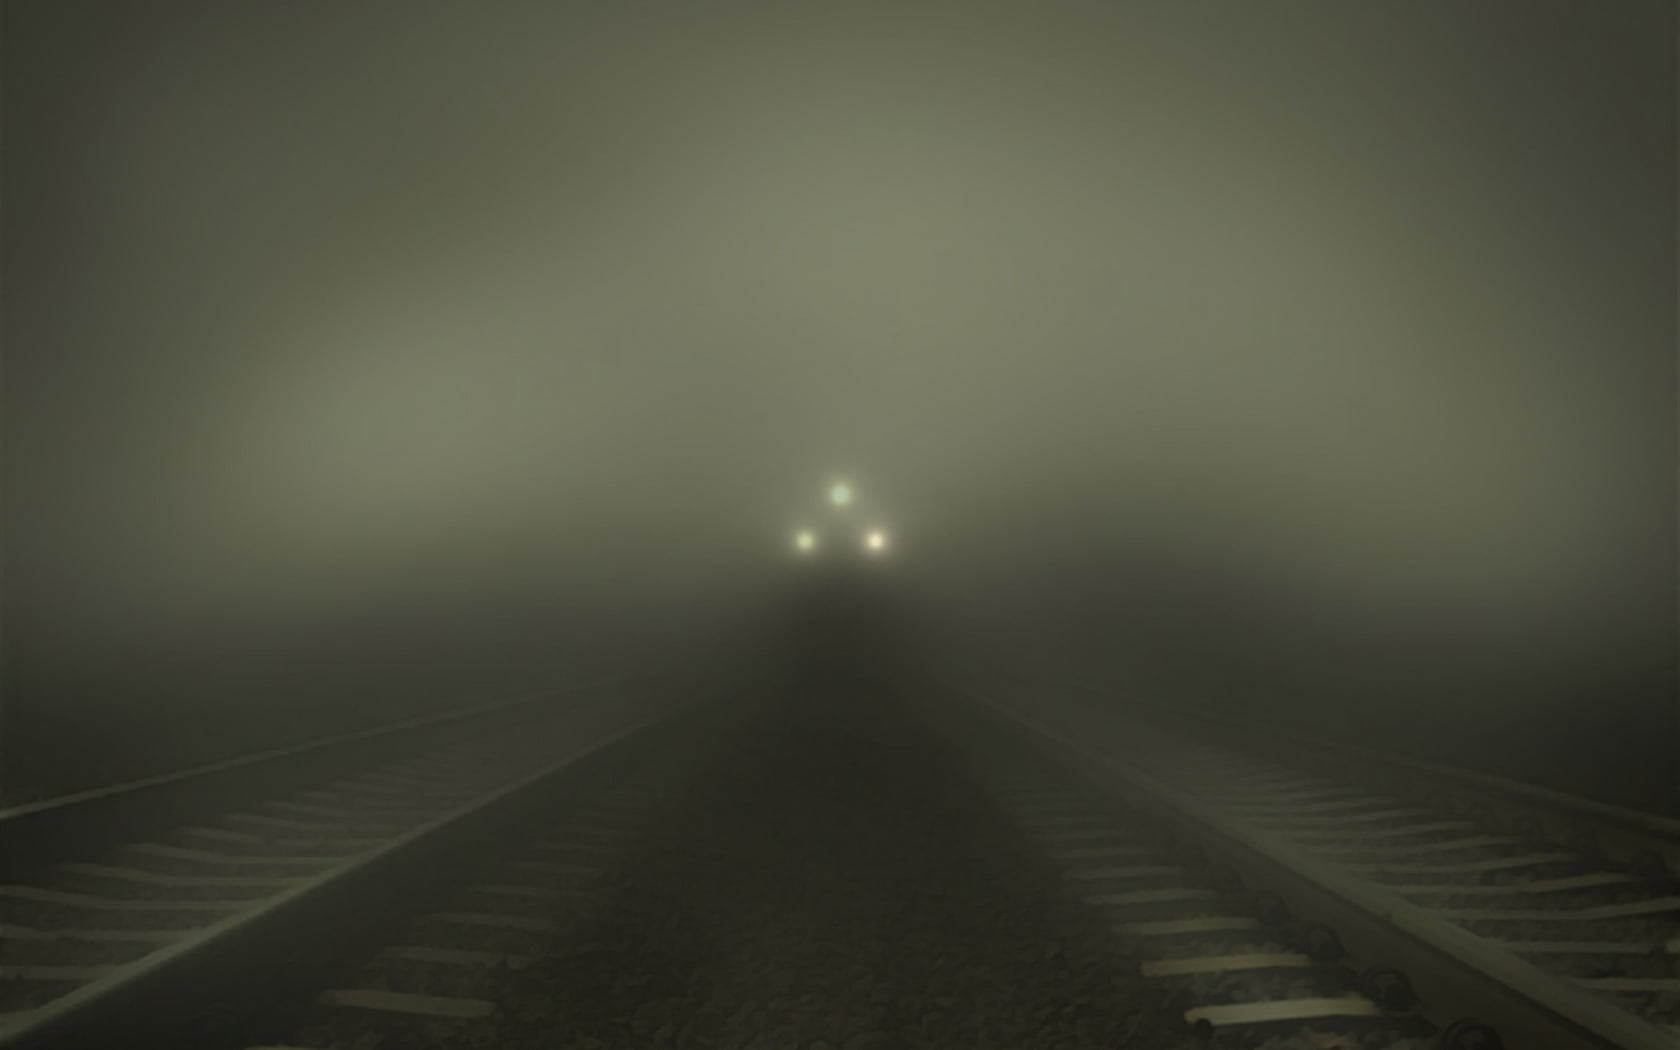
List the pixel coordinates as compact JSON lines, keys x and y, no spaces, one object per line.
{"x":1624,"y":832}
{"x":1453,"y":970}
{"x":128,"y":998}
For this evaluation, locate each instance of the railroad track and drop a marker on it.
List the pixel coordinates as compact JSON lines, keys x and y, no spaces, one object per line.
{"x":1554,"y":921}
{"x":452,"y":968}
{"x":816,"y":891}
{"x":823,"y":872}
{"x":822,"y":879}
{"x":127,"y":903}
{"x":1227,"y":960}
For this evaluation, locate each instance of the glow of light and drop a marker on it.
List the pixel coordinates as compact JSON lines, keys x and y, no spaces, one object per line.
{"x":875,"y":541}
{"x":840,"y":494}
{"x":805,"y":541}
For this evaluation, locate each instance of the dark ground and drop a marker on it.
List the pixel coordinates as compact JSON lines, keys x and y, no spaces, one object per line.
{"x":839,"y":879}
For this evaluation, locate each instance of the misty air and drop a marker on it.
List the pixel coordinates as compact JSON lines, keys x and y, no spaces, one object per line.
{"x":1146,"y":524}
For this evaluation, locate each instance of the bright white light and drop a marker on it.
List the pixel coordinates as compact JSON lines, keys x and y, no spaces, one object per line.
{"x":875,"y":541}
{"x":805,"y":541}
{"x":840,"y":494}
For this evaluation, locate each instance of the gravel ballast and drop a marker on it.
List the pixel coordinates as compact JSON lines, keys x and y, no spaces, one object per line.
{"x":833,"y":879}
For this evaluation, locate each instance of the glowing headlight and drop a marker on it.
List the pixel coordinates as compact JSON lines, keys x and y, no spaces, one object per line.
{"x":840,"y":494}
{"x":875,"y":541}
{"x":805,"y":541}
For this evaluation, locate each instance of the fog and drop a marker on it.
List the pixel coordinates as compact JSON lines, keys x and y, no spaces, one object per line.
{"x":367,"y":357}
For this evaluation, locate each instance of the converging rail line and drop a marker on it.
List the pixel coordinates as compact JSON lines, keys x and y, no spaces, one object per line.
{"x":112,"y":899}
{"x":1554,"y":920}
{"x":730,"y":863}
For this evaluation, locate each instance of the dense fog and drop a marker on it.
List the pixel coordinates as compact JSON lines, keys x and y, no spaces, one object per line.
{"x":1314,"y":358}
